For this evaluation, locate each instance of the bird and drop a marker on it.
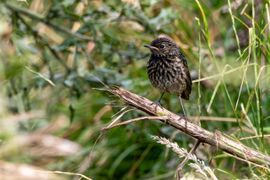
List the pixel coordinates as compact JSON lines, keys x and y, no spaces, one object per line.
{"x":168,"y":70}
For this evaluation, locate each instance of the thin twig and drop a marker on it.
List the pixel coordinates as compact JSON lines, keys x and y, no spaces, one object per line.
{"x":255,"y":137}
{"x":212,"y":118}
{"x":65,"y":173}
{"x":163,"y":118}
{"x":249,"y":162}
{"x":181,"y":165}
{"x":223,"y":73}
{"x":40,"y":75}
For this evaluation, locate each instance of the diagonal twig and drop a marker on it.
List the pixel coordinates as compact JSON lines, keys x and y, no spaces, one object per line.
{"x":181,"y":165}
{"x":134,"y":120}
{"x":220,"y":141}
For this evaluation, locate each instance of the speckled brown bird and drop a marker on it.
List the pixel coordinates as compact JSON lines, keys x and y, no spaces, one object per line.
{"x":168,"y":69}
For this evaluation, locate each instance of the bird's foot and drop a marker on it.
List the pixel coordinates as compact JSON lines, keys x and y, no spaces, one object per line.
{"x":183,"y":116}
{"x":157,"y":103}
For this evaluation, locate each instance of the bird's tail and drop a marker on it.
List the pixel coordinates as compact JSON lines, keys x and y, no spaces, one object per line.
{"x":185,"y":95}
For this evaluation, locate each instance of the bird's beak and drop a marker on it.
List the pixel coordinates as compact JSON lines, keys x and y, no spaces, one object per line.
{"x":152,"y":48}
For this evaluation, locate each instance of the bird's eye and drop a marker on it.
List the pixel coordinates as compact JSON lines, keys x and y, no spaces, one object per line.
{"x":161,"y":46}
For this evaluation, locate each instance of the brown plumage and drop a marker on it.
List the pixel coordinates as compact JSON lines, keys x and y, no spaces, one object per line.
{"x":167,"y":68}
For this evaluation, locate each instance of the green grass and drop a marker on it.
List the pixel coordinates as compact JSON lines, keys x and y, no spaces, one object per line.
{"x":58,"y":75}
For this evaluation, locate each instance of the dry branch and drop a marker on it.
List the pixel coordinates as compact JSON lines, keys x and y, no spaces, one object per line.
{"x":217,"y":139}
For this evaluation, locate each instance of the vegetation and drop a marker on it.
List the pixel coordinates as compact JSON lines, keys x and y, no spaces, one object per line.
{"x":57,"y":56}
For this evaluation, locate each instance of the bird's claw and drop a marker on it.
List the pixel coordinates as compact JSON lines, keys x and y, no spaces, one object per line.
{"x":157,"y":103}
{"x":183,"y":116}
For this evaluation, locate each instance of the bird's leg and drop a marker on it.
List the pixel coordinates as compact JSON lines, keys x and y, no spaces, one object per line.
{"x":182,"y":106}
{"x":159,"y":100}
{"x":183,"y":109}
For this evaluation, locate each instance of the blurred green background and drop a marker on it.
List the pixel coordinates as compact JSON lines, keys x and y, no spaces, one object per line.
{"x":56,"y":55}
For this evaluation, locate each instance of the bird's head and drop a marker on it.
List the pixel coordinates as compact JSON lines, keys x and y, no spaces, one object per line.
{"x":163,"y":47}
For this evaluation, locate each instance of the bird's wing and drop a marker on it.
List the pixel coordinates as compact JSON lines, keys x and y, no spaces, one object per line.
{"x":185,"y":94}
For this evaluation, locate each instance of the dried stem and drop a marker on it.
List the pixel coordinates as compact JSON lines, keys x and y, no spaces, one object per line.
{"x":216,"y":139}
{"x":182,"y":164}
{"x":134,"y":120}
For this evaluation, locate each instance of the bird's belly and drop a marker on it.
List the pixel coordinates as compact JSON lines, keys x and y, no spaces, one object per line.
{"x":167,"y":80}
